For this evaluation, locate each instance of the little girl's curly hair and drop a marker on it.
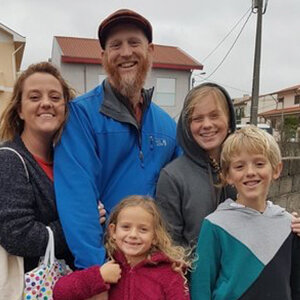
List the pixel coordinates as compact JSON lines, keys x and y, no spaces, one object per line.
{"x":179,"y":256}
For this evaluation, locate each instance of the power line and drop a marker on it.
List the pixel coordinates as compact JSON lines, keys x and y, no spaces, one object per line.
{"x":225,"y":85}
{"x":227,"y":35}
{"x":228,"y":52}
{"x":273,"y":106}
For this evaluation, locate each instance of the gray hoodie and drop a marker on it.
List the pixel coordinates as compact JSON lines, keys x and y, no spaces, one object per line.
{"x":244,"y":254}
{"x":253,"y":228}
{"x":185,"y":191}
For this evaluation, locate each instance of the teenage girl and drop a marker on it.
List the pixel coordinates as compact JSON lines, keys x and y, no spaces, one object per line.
{"x":144,"y":263}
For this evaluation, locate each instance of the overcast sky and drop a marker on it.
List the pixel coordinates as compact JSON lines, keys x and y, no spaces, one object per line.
{"x":196,"y":26}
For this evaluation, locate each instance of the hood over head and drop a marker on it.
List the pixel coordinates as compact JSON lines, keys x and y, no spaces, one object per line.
{"x":184,"y":136}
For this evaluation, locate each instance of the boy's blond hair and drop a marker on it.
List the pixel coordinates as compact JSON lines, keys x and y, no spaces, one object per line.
{"x":252,"y":140}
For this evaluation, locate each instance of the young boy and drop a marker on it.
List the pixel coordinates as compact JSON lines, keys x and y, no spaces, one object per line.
{"x":246,"y":249}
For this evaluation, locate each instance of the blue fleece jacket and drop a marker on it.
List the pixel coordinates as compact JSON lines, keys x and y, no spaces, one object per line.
{"x":104,"y":155}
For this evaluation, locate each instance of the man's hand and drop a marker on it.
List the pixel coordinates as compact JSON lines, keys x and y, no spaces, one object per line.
{"x":296,"y":223}
{"x":102,"y":213}
{"x":110,"y":272}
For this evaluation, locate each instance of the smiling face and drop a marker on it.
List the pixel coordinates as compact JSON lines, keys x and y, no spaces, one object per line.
{"x":209,"y":125}
{"x":127,"y":59}
{"x":43,"y":107}
{"x":133,"y":233}
{"x":251,"y":174}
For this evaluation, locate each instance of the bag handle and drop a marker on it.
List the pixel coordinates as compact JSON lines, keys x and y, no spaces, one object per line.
{"x":50,"y":250}
{"x":21,"y":158}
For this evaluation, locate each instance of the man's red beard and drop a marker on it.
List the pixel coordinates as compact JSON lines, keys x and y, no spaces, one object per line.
{"x":129,"y":84}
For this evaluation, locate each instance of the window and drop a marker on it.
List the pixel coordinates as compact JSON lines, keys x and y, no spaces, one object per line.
{"x":297,"y":99}
{"x":165,"y":91}
{"x":239,"y":113}
{"x":101,"y":77}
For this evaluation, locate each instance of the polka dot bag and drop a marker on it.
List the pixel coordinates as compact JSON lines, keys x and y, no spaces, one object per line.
{"x":40,"y":281}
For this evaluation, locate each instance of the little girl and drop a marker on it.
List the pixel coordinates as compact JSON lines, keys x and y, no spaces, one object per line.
{"x":144,"y":262}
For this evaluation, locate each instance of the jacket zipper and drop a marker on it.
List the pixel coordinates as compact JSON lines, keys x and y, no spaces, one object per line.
{"x":141,"y":154}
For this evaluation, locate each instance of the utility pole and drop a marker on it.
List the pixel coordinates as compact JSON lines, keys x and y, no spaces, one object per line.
{"x":257,"y":7}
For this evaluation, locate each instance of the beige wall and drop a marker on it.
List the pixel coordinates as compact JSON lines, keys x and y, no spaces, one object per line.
{"x":289,"y":100}
{"x":6,"y":68}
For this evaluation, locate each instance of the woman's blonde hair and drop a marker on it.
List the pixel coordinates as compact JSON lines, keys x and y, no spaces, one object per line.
{"x":252,"y":140}
{"x":197,"y":94}
{"x":10,"y":122}
{"x":178,"y":255}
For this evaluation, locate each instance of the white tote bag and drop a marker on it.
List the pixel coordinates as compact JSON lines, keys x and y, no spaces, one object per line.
{"x":11,"y":276}
{"x":11,"y":266}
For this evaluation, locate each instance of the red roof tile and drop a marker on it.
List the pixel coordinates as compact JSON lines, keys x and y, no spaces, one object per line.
{"x":285,"y":111}
{"x":84,"y":50}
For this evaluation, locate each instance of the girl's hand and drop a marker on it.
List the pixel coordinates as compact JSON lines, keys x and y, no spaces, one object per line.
{"x":110,"y":272}
{"x":102,"y":296}
{"x":296,"y":223}
{"x":102,"y":213}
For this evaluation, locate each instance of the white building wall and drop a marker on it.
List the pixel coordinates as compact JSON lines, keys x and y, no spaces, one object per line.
{"x":92,"y":75}
{"x":265,"y":103}
{"x":289,"y":100}
{"x":181,"y":88}
{"x":56,"y":54}
{"x":82,"y":77}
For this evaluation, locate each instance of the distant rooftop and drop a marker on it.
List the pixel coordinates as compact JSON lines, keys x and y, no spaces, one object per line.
{"x":17,"y":37}
{"x":85,"y":50}
{"x":19,"y":44}
{"x":283,"y":111}
{"x":287,"y":90}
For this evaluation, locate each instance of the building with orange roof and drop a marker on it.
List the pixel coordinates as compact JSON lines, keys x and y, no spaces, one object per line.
{"x":288,"y":101}
{"x":80,"y":63}
{"x":273,"y":109}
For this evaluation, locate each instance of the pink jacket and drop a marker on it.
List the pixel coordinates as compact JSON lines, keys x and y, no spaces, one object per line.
{"x":151,"y":279}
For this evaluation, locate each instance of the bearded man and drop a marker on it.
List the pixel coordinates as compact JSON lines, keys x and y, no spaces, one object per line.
{"x":115,"y":141}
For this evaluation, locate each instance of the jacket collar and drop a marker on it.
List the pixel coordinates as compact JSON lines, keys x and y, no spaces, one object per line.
{"x":155,"y":258}
{"x":114,"y":104}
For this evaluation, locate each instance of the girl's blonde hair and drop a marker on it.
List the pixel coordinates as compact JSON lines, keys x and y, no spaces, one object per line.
{"x":197,"y":94}
{"x":252,"y":140}
{"x":178,"y":255}
{"x":10,"y":122}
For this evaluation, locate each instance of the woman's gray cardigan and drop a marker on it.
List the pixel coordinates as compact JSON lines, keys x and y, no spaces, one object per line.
{"x":26,"y":208}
